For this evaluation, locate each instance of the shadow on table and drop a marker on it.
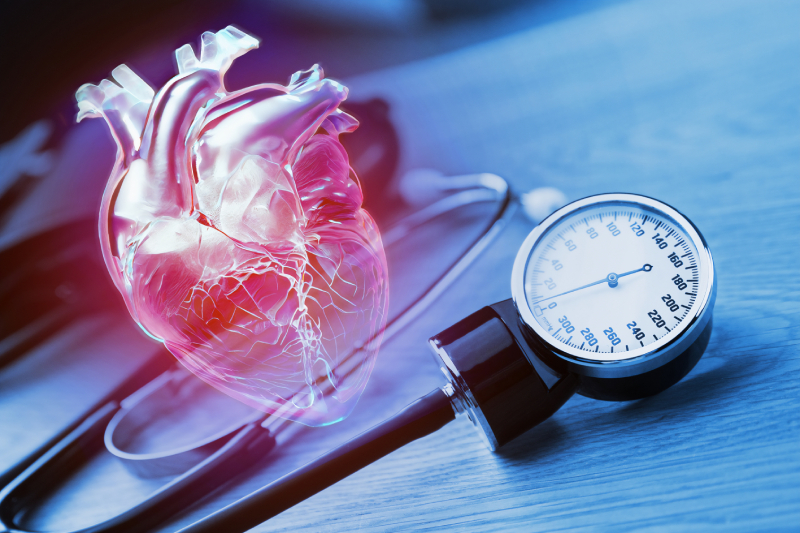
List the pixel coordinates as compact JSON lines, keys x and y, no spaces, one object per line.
{"x":708,"y":382}
{"x":545,"y":440}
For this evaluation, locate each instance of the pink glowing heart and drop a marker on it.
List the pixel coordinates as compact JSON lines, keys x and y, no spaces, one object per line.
{"x":232,"y":225}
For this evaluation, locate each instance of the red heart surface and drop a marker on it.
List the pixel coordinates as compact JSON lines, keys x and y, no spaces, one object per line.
{"x":232,"y":225}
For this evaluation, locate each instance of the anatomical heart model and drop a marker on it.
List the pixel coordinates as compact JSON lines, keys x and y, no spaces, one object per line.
{"x":232,"y":225}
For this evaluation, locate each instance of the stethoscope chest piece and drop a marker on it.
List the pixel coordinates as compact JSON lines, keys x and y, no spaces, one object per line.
{"x":612,"y":298}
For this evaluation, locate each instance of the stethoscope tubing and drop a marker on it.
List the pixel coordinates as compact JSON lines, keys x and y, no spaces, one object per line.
{"x":21,"y":481}
{"x":240,"y":448}
{"x":419,"y":419}
{"x":152,"y":367}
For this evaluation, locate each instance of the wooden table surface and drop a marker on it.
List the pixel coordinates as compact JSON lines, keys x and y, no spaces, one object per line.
{"x":694,"y":103}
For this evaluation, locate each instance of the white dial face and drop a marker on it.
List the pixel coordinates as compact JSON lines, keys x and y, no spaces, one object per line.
{"x":608,"y":281}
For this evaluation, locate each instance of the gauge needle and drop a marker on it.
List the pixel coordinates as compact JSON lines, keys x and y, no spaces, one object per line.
{"x":612,"y":279}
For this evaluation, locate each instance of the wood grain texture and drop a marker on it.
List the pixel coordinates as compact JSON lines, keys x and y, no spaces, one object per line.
{"x":694,"y":103}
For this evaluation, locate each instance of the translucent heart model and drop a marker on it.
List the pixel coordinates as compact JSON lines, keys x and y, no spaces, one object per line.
{"x":232,"y":225}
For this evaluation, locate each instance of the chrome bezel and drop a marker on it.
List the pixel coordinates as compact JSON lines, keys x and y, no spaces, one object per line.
{"x":635,"y":361}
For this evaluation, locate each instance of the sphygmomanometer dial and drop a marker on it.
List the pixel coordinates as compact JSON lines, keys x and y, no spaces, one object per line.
{"x":613,"y":278}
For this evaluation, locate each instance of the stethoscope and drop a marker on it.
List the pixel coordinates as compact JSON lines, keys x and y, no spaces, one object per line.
{"x":612,"y":298}
{"x":115,"y":420}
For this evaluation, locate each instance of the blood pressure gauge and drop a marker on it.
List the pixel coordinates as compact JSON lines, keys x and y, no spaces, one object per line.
{"x":612,"y":299}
